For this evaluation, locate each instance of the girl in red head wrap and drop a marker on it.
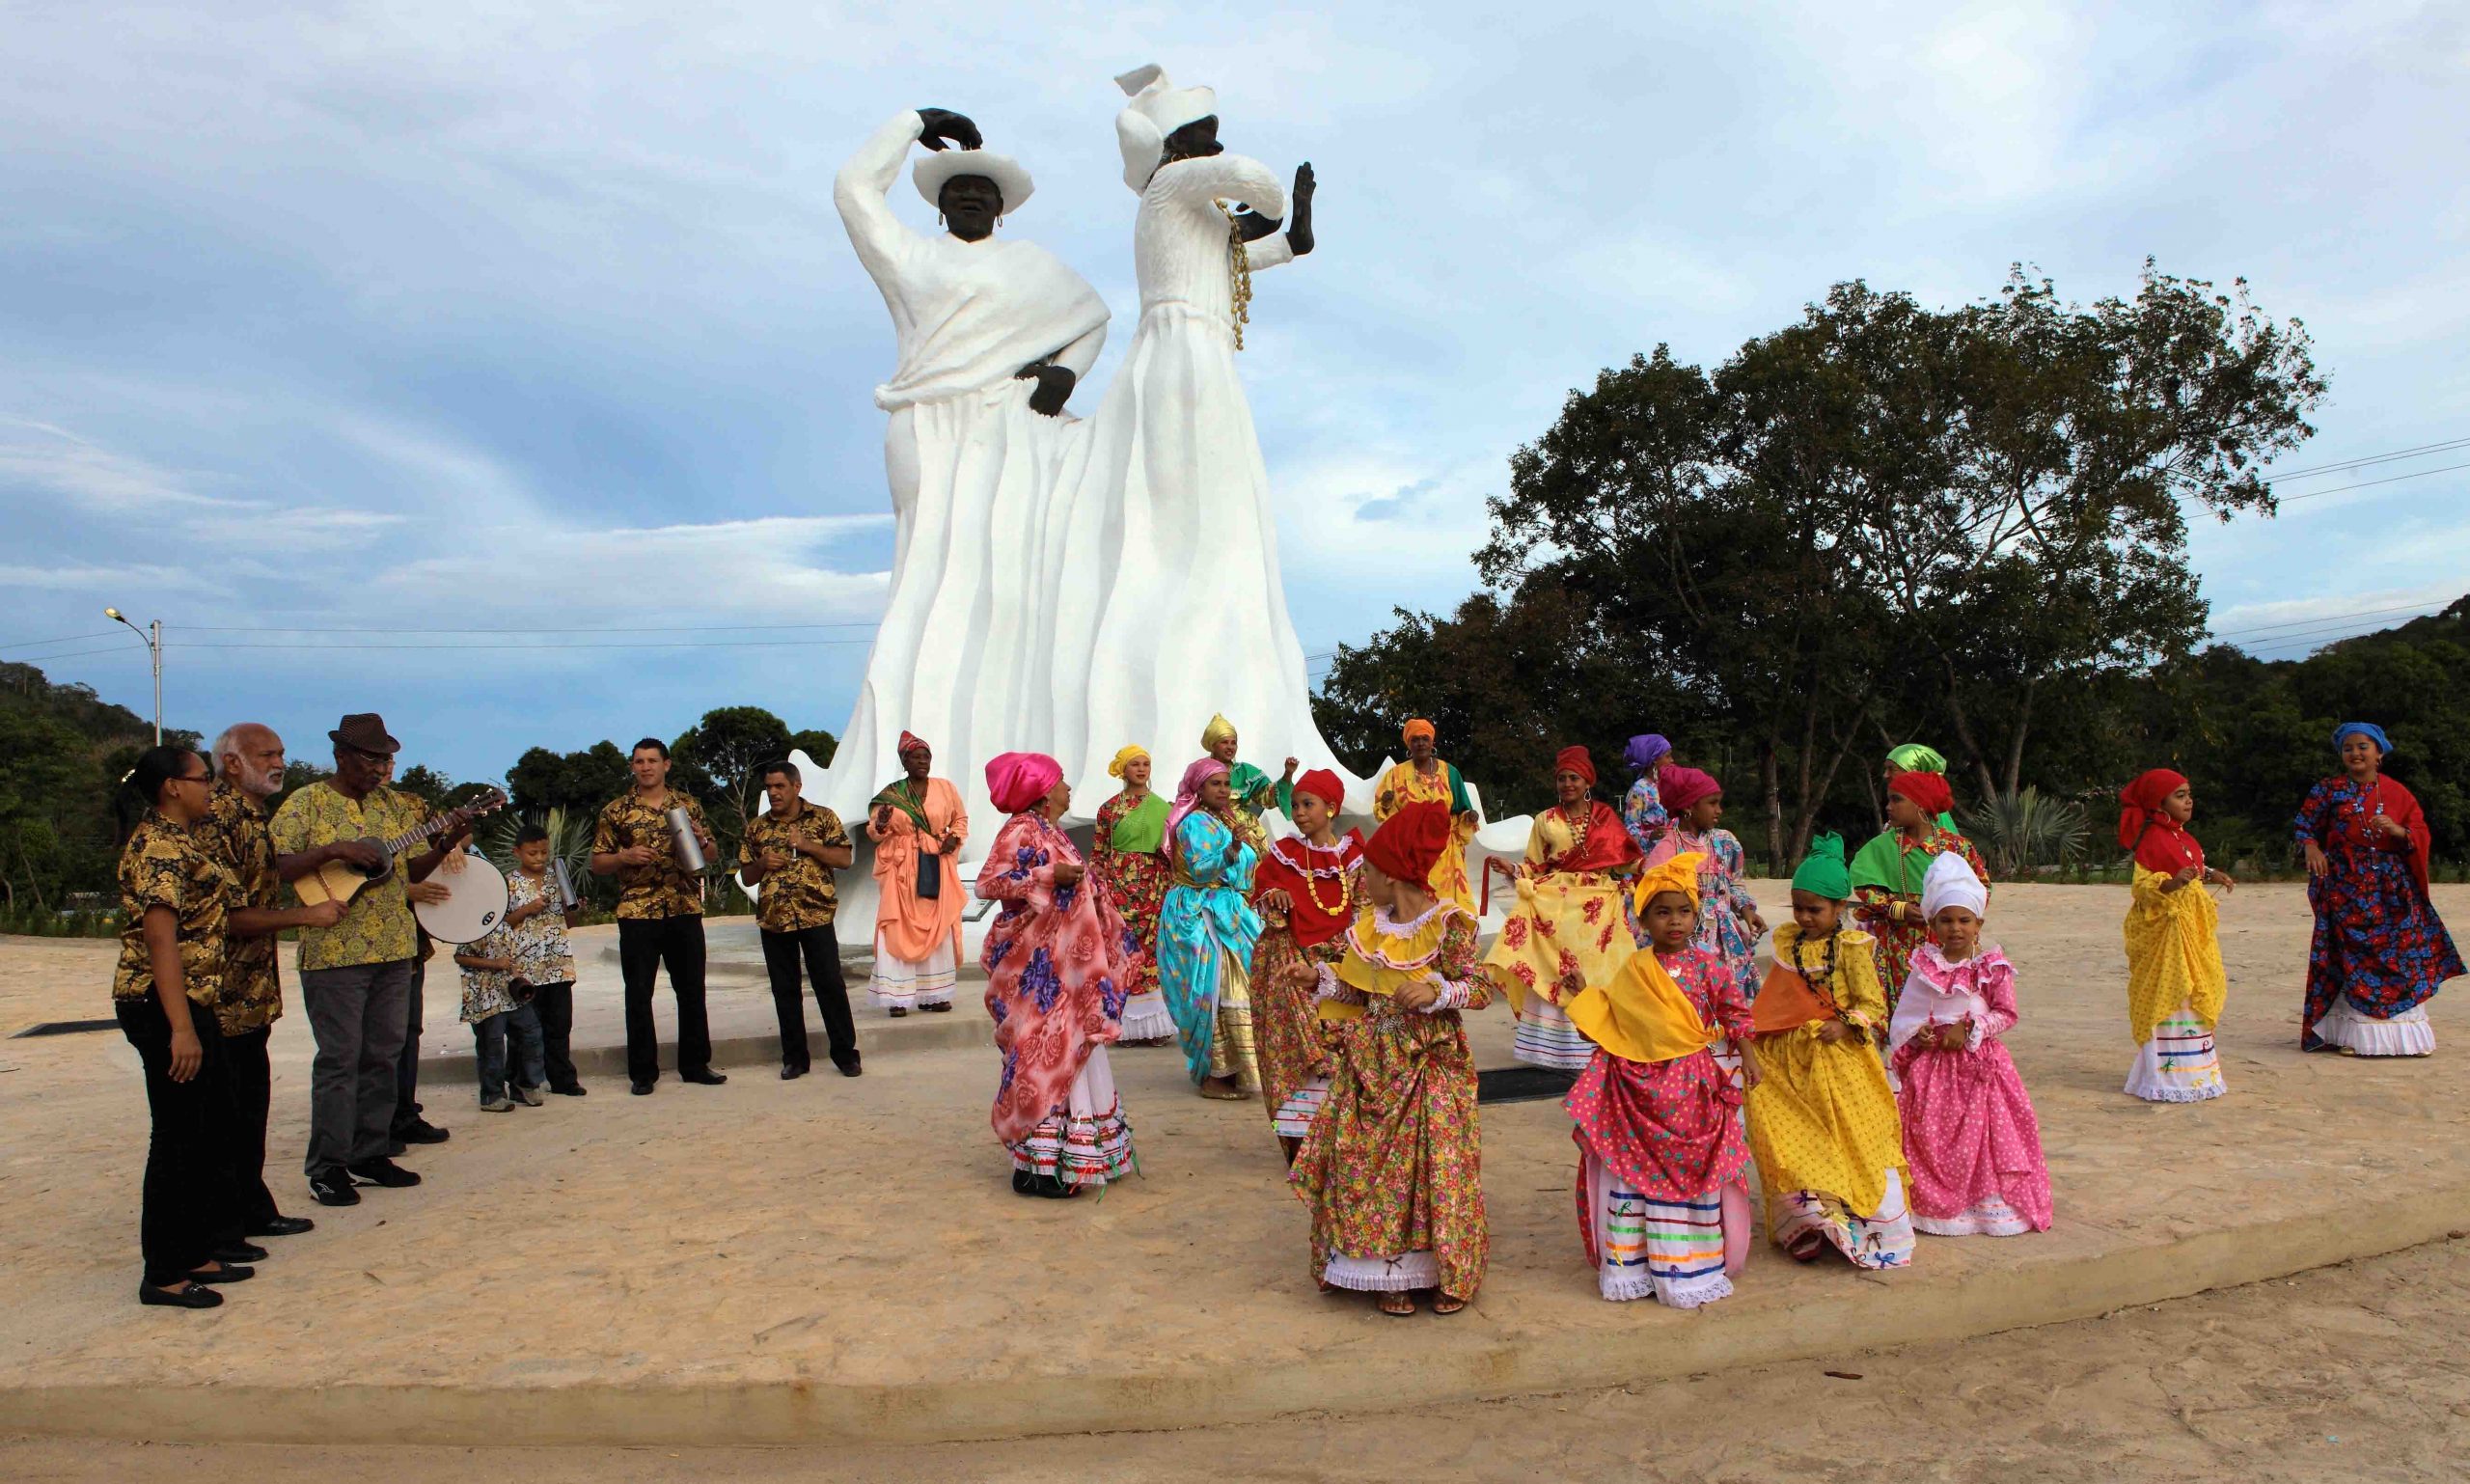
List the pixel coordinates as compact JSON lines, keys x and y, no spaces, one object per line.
{"x":1390,"y":1165}
{"x":1729,"y":921}
{"x":2175,"y":983}
{"x":1307,"y":889}
{"x":1570,"y":915}
{"x":1888,"y":872}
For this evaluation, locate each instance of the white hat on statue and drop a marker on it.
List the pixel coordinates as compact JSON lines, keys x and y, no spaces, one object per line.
{"x":1157,"y":110}
{"x":937,"y":169}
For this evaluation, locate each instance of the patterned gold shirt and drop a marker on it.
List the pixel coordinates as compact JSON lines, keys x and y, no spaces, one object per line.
{"x":235,"y":832}
{"x":662,"y":889}
{"x":801,"y":895}
{"x":541,"y":954}
{"x":376,"y":928}
{"x":166,"y":864}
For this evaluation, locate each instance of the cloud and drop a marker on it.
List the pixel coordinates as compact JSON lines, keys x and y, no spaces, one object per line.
{"x":1397,"y":504}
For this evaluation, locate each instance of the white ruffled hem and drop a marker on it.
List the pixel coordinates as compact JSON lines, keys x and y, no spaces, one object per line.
{"x":1988,"y":1217}
{"x":1146,"y":1018}
{"x":2178,"y":1064}
{"x":2406,"y":1035}
{"x":1294,"y":1117}
{"x":1383,"y":1275}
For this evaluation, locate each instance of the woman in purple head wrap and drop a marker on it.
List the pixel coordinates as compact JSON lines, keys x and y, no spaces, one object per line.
{"x":1642,"y":812}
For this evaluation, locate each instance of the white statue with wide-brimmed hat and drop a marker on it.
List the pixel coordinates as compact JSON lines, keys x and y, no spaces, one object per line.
{"x":992,"y":334}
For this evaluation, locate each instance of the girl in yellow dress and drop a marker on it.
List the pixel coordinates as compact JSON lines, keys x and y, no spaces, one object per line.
{"x":1823,"y":1121}
{"x":2175,"y":984}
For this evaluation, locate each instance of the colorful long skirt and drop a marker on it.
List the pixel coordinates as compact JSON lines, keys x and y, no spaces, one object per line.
{"x":1972,"y":1142}
{"x":1562,"y":922}
{"x":1825,"y":1130}
{"x":1392,"y":1166}
{"x":1137,"y":884}
{"x":1089,"y":1140}
{"x":1287,"y":1032}
{"x":2178,"y":1064}
{"x":904,"y":984}
{"x":2378,"y":954}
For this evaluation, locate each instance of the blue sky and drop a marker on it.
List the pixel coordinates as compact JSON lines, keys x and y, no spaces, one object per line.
{"x":507,"y":330}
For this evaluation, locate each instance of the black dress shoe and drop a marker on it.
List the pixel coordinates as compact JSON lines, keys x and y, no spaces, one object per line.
{"x":228,"y":1273}
{"x":792,"y":1073}
{"x":640,"y":1088}
{"x":334,"y":1188}
{"x":395,"y":1148}
{"x":850,"y":1067}
{"x":938,"y":1007}
{"x":1024,"y":1183}
{"x":241,"y":1251}
{"x":185,"y":1295}
{"x":419,"y":1131}
{"x":385,"y":1172}
{"x":283,"y":1226}
{"x":706,"y":1078}
{"x":574,"y":1090}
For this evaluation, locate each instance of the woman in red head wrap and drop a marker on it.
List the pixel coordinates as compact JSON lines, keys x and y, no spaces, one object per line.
{"x":1729,"y":921}
{"x":1569,"y":917}
{"x":1390,"y":1166}
{"x":2175,"y":983}
{"x":1309,"y":888}
{"x":1057,"y":973}
{"x":1887,"y":874}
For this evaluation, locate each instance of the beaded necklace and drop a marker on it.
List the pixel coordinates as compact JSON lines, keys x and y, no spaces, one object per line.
{"x":1239,"y":273}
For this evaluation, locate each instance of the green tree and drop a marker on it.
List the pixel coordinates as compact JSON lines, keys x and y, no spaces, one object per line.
{"x":719,"y":753}
{"x":818,"y":744}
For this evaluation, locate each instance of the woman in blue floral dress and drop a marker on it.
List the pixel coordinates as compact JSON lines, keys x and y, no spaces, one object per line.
{"x":1729,"y":921}
{"x":2379,"y":950}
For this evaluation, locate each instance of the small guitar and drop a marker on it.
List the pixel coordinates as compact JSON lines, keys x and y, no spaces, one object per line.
{"x":339,"y":881}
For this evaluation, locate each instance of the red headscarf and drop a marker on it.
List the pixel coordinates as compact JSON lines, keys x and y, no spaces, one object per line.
{"x":1323,"y":786}
{"x":910,"y":742}
{"x":1574,"y":759}
{"x":1679,"y":787}
{"x":1319,"y":883}
{"x":1410,"y":844}
{"x":1927,"y":789}
{"x":2160,"y":843}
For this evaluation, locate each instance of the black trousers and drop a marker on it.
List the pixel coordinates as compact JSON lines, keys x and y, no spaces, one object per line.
{"x":188,"y":1208}
{"x":252,"y":1081}
{"x":821,"y":949}
{"x":407,"y":1064}
{"x":645,"y":946}
{"x":555,"y":1004}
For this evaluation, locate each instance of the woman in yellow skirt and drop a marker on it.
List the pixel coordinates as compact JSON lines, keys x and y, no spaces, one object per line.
{"x":1568,"y":921}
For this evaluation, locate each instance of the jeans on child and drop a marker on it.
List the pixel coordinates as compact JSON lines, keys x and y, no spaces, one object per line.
{"x":489,"y":1037}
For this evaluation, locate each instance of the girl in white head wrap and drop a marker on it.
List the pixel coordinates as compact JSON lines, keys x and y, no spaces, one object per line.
{"x":1950,"y":883}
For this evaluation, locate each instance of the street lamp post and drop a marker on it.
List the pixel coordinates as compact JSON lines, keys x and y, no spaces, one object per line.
{"x":152,"y":635}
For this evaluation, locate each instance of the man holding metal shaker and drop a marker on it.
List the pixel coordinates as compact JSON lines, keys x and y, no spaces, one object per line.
{"x":655,"y":842}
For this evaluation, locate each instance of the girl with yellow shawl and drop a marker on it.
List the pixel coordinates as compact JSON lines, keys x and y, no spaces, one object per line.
{"x":1424,"y":779}
{"x":1664,"y":1188}
{"x":1822,"y":1120}
{"x":2175,"y":983}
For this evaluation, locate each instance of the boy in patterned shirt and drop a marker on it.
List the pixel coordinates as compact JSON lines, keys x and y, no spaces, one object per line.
{"x":493,"y":1007}
{"x":537,"y":924}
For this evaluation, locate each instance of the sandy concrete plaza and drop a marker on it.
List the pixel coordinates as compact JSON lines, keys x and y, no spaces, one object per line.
{"x":832,"y":1259}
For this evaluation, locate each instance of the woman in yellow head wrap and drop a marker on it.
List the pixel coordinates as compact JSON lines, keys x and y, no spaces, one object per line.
{"x":1424,"y":779}
{"x":1663,"y":1193}
{"x":1128,"y":857}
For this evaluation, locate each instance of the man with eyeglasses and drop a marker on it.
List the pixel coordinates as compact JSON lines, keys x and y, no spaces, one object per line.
{"x":355,"y":977}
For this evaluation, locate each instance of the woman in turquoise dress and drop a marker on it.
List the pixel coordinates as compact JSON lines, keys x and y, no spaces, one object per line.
{"x":1206,"y":932}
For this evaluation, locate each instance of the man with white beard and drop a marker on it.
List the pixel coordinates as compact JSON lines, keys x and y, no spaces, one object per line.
{"x":248,"y":766}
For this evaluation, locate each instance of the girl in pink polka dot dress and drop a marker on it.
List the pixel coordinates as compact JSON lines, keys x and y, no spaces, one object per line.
{"x":1970,"y":1135}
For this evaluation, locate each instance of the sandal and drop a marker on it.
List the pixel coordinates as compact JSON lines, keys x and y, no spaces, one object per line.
{"x":1397,"y":1305}
{"x":1806,"y":1247}
{"x":1443,"y":1304}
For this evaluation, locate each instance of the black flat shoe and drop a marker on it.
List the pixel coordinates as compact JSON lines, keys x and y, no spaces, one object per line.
{"x":227,"y":1273}
{"x":383,"y":1172}
{"x":849,"y":1068}
{"x":241,"y":1251}
{"x":577,"y":1091}
{"x":419,"y":1131}
{"x":1024,"y":1183}
{"x":334,"y":1188}
{"x":639,"y":1089}
{"x":706,"y":1078}
{"x":938,"y":1009}
{"x":792,"y":1073}
{"x":897,"y":1012}
{"x":283,"y":1226}
{"x":186,"y":1296}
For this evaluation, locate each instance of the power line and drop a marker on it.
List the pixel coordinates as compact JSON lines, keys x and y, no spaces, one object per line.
{"x":2336,"y":617}
{"x":2317,"y":494}
{"x":37,"y":643}
{"x":652,"y":628}
{"x":2372,"y":458}
{"x":640,"y":644}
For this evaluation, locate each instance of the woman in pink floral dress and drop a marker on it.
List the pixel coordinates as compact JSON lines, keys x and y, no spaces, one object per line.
{"x":1392,"y":1163}
{"x":1055,"y":969}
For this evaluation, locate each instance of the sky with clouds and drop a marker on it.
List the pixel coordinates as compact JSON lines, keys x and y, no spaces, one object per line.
{"x":524,"y":341}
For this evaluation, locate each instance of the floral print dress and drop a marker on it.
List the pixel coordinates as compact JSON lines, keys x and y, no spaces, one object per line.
{"x":1391,"y":1168}
{"x":2379,"y":951}
{"x":1724,"y":905}
{"x":1137,"y":880}
{"x":1055,"y":962}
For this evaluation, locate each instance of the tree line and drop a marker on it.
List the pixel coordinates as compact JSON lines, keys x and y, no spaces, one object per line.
{"x":1887,"y":522}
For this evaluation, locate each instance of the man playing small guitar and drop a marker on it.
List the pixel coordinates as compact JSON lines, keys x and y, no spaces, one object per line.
{"x":355,"y":977}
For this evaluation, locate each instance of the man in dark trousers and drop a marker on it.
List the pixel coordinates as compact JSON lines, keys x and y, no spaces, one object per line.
{"x":790,"y":851}
{"x":659,"y":915}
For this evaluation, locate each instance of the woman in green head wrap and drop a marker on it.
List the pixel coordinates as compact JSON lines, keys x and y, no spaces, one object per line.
{"x":1822,"y":1122}
{"x":1128,"y":856}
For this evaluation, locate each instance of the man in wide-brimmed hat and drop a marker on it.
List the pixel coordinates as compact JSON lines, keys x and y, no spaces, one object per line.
{"x":355,"y":977}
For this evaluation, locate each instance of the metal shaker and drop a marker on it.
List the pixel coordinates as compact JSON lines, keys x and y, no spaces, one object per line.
{"x":682,"y":841}
{"x":568,"y":902}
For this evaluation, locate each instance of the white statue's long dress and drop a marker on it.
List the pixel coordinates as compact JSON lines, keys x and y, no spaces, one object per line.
{"x":958,"y":659}
{"x":1160,"y":539}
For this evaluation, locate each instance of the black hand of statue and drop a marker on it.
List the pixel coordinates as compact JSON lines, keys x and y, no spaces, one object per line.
{"x":1252,"y":226}
{"x":1298,"y":223}
{"x":941,"y":124}
{"x":1054,"y":387}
